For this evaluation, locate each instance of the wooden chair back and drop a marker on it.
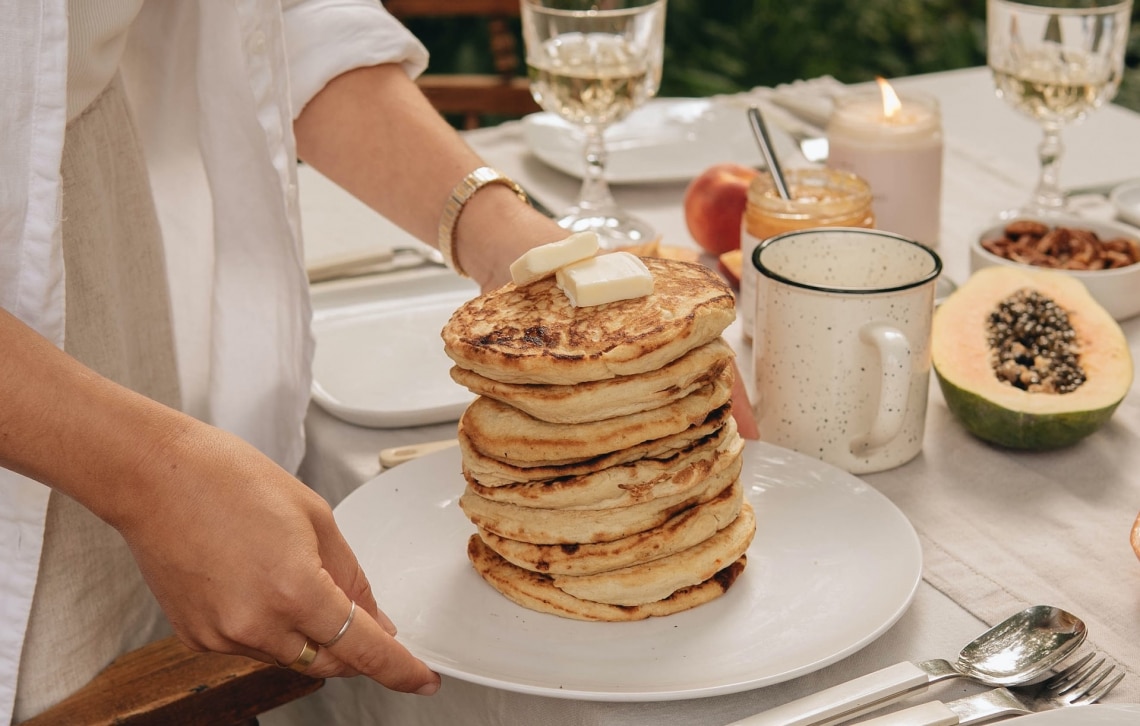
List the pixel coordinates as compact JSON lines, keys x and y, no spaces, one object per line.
{"x":471,"y":96}
{"x":165,"y":683}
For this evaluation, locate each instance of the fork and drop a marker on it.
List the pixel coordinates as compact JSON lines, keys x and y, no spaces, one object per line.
{"x":1079,"y":684}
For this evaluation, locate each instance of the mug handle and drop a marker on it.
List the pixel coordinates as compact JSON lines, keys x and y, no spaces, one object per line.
{"x":894,"y":361}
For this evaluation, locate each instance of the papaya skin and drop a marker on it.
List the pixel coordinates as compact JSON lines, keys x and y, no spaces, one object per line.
{"x":1017,"y":429}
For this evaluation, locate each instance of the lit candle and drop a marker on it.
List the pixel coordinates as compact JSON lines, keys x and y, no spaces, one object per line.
{"x":896,"y":145}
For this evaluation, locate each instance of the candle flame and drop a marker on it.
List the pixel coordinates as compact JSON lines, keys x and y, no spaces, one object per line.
{"x":891,"y":103}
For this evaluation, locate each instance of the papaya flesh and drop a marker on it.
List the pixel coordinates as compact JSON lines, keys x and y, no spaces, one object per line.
{"x":996,"y":411}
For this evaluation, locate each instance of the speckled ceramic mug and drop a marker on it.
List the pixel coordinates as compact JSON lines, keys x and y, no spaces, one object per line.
{"x":841,"y":344}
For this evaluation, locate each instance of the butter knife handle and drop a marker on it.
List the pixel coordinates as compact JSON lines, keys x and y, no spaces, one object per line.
{"x":931,"y":713}
{"x":399,"y":454}
{"x":845,"y":700}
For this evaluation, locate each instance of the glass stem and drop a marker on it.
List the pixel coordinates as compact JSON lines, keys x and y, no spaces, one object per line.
{"x":595,"y":192}
{"x":1048,"y":194}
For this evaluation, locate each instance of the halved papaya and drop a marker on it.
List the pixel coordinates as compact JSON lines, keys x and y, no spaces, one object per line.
{"x":1027,"y":359}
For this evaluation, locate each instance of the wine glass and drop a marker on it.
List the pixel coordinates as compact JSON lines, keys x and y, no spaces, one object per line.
{"x":591,"y":62}
{"x":1055,"y":60}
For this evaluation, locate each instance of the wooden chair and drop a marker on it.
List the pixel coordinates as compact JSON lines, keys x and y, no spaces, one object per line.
{"x":165,"y":683}
{"x":473,"y":97}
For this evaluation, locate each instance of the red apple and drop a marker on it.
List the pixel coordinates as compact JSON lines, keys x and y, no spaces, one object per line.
{"x":714,"y":206}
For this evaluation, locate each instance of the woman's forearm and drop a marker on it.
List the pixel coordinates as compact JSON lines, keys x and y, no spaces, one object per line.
{"x":65,"y":426}
{"x":373,"y":132}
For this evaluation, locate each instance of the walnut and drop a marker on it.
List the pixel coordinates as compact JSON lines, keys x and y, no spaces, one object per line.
{"x":1068,"y":248}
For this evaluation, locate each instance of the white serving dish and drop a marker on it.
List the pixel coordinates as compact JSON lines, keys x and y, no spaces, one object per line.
{"x":1126,"y":199}
{"x":379,"y":359}
{"x":833,"y":566}
{"x":1117,"y":290}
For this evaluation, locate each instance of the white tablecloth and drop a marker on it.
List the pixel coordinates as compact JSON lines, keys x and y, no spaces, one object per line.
{"x":1000,"y":530}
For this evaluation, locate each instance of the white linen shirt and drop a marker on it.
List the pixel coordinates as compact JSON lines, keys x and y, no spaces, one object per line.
{"x":215,"y":86}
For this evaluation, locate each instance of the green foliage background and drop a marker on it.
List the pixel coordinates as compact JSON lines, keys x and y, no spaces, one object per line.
{"x":715,"y":47}
{"x":722,"y":46}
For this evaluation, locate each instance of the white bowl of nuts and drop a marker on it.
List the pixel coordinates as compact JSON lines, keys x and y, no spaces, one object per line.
{"x":1105,"y":256}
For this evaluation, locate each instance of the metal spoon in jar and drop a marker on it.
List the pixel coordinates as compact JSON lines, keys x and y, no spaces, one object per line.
{"x":760,"y":131}
{"x":1021,"y":649}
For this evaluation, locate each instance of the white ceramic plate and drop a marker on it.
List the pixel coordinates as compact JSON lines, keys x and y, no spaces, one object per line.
{"x":1105,"y":714}
{"x":379,"y":360}
{"x":1126,"y":199}
{"x":667,"y":140}
{"x":833,"y":565}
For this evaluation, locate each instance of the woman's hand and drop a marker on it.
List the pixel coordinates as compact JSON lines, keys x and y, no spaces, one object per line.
{"x":245,"y":559}
{"x":242,"y":557}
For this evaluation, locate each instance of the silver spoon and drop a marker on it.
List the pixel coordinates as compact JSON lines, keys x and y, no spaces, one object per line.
{"x":1020,"y":649}
{"x":760,"y":131}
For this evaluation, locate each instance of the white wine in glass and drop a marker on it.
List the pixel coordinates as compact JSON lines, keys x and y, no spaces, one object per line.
{"x":1055,"y":61}
{"x":591,"y":62}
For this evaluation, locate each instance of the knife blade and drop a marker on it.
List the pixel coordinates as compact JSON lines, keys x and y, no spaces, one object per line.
{"x":964,"y":711}
{"x":372,"y":262}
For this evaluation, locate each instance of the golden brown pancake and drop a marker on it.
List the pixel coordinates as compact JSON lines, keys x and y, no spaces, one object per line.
{"x":537,"y":592}
{"x":576,"y":526}
{"x":624,"y":484}
{"x":490,"y":472}
{"x":648,"y":582}
{"x":532,"y":334}
{"x":507,"y":434}
{"x":685,"y":529}
{"x":618,"y":396}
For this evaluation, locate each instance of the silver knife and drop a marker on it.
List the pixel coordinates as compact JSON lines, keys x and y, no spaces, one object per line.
{"x":371,"y":263}
{"x":962,"y":712}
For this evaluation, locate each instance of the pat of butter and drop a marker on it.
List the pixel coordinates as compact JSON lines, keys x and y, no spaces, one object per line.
{"x":605,"y":278}
{"x":545,"y":260}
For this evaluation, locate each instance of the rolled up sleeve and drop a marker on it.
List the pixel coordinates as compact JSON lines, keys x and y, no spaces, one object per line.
{"x":328,"y":37}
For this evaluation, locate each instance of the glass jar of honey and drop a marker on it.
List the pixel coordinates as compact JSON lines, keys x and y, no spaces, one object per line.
{"x":819,"y":198}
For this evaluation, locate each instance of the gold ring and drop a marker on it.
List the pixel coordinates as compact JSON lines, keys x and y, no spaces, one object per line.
{"x":343,"y":629}
{"x":305,"y":659}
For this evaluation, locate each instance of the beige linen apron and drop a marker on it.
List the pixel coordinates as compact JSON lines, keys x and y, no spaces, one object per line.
{"x":91,"y":603}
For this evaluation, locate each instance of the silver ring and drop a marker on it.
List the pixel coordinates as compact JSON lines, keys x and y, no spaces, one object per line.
{"x":344,"y":628}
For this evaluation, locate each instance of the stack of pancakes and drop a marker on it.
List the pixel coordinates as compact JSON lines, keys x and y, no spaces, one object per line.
{"x":601,"y":458}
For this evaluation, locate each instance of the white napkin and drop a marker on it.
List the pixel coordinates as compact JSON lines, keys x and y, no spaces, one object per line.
{"x":799,"y":110}
{"x":801,"y":106}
